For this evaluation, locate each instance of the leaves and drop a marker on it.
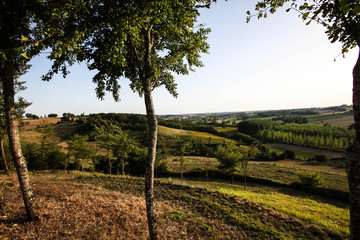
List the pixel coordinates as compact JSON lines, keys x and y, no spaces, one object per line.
{"x":26,"y":54}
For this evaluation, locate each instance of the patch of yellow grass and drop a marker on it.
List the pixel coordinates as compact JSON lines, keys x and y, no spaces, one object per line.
{"x":205,"y":137}
{"x":226,"y":129}
{"x":306,"y":209}
{"x":307,"y":166}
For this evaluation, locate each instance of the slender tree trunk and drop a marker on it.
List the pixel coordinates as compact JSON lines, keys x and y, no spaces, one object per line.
{"x":149,"y":177}
{"x":7,"y":171}
{"x":110,"y":165}
{"x":245,"y":173}
{"x":182,"y":168}
{"x":123,"y":167}
{"x":353,"y":159}
{"x":14,"y":139}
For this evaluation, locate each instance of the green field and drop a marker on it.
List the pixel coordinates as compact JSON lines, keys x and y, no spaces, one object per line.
{"x":298,"y":154}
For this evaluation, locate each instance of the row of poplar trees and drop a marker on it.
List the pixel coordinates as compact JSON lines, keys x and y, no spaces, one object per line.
{"x":146,"y":42}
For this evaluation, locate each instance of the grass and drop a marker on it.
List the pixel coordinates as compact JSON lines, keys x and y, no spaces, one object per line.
{"x":204,"y":137}
{"x":283,"y":172}
{"x":192,"y":163}
{"x":257,"y":220}
{"x":298,"y":154}
{"x":329,"y":214}
{"x":323,"y":117}
{"x":306,"y":209}
{"x":75,"y":205}
{"x":226,"y":129}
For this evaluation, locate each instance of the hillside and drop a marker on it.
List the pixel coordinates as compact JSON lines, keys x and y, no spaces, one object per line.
{"x":94,"y":206}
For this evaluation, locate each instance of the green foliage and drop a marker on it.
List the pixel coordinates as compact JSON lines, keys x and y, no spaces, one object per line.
{"x":117,"y":143}
{"x":39,"y":158}
{"x":310,"y":135}
{"x":80,"y":152}
{"x":288,"y":154}
{"x":321,"y":158}
{"x":229,"y":157}
{"x":309,"y":180}
{"x":142,"y":41}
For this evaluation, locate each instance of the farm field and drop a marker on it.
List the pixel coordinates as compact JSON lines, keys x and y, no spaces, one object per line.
{"x":202,"y":136}
{"x":333,"y":119}
{"x":29,"y":134}
{"x":313,"y":151}
{"x":83,"y":205}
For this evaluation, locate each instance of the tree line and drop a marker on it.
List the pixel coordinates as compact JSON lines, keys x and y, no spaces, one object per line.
{"x":327,"y":136}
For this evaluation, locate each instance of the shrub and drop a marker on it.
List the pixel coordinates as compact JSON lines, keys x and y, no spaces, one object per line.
{"x":309,"y":180}
{"x":288,"y":154}
{"x":321,"y":158}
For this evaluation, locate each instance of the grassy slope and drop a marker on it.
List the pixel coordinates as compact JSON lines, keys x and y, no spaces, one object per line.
{"x":29,"y":134}
{"x":283,"y":172}
{"x":80,"y":206}
{"x":200,"y":135}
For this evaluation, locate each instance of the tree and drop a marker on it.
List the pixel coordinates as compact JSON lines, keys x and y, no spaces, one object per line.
{"x":183,"y":145}
{"x":27,"y":27}
{"x":20,"y":106}
{"x":341,"y":18}
{"x":147,"y":42}
{"x":229,"y":156}
{"x":48,"y":141}
{"x":248,"y":153}
{"x":80,"y":151}
{"x":116,"y":141}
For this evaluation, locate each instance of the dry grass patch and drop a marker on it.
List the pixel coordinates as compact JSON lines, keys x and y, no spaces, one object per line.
{"x":70,"y":210}
{"x":204,"y":137}
{"x":33,"y":123}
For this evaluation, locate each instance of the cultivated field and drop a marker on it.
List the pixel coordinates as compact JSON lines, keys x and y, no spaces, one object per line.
{"x":202,"y":136}
{"x":328,"y":153}
{"x":29,"y":134}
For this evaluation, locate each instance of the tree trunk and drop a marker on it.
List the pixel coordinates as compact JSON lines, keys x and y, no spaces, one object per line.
{"x":123,"y":167}
{"x":182,"y":168}
{"x":245,"y":173}
{"x":149,"y":177}
{"x":14,"y":139}
{"x":7,"y":171}
{"x":110,"y":165}
{"x":353,"y":159}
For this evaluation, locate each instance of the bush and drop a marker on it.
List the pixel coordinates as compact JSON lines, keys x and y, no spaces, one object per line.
{"x":288,"y":154}
{"x":321,"y":158}
{"x":309,"y":180}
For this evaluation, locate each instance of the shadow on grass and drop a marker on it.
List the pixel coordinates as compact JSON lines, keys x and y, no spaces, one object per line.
{"x":265,"y":189}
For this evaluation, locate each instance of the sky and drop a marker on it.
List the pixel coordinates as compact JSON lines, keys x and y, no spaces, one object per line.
{"x":267,"y":64}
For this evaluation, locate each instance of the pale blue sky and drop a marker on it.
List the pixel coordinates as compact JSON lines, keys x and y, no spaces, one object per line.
{"x":273,"y":63}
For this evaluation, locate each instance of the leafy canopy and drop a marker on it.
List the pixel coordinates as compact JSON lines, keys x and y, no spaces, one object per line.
{"x":27,"y":27}
{"x":144,"y":41}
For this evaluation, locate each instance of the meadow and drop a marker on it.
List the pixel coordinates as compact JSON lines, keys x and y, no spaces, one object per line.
{"x":78,"y":205}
